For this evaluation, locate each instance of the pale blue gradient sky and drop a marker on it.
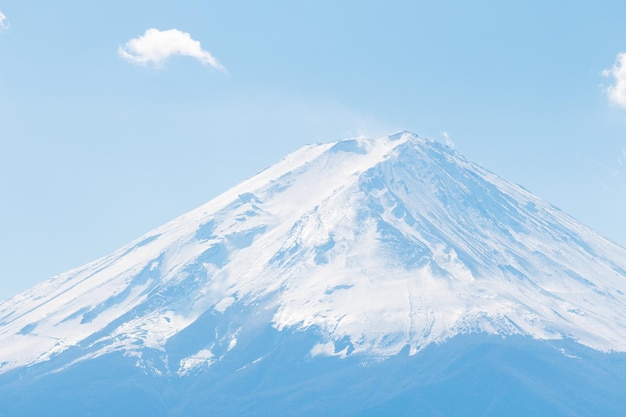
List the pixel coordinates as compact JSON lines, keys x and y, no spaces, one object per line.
{"x":95,"y":151}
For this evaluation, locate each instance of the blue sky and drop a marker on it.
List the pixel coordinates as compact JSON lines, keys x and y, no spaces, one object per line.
{"x":108,"y":129}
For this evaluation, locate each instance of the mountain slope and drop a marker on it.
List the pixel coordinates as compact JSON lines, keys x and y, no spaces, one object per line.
{"x":367,"y":246}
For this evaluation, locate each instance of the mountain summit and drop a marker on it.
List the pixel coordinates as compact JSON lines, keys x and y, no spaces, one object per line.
{"x":360,"y":248}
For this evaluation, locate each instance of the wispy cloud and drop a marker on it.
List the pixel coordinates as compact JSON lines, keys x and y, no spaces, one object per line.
{"x":448,"y":139}
{"x":3,"y":21}
{"x":617,"y":91}
{"x":156,"y":46}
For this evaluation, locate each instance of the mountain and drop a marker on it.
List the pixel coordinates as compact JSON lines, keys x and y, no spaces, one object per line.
{"x":359,"y":277}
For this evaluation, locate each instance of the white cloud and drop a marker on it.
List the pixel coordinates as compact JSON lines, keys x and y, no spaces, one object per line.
{"x":3,"y":22}
{"x":617,"y":91}
{"x":448,"y":139}
{"x":156,"y":46}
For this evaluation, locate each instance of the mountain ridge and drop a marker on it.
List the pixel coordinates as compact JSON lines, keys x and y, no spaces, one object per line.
{"x":376,"y":245}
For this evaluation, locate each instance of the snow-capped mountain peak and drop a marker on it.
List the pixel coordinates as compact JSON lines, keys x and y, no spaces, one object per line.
{"x":372,"y":245}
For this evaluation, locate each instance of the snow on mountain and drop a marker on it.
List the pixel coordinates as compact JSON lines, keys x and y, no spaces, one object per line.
{"x":375,"y":245}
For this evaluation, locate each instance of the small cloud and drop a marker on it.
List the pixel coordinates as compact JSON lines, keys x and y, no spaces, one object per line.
{"x":156,"y":46}
{"x":3,"y":21}
{"x":617,"y":91}
{"x":448,"y":140}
